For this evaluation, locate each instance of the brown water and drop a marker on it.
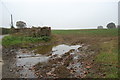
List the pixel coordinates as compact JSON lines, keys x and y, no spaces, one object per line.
{"x":55,"y":50}
{"x":26,"y":59}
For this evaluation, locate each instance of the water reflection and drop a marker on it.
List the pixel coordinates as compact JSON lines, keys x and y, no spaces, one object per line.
{"x":61,"y":49}
{"x":51,"y":49}
{"x":45,"y":49}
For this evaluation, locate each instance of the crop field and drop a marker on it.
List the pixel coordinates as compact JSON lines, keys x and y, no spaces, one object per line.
{"x":89,"y":32}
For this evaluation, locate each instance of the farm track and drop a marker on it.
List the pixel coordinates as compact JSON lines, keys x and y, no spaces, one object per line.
{"x":96,"y":43}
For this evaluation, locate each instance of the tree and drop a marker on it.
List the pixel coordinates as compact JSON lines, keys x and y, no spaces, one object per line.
{"x":100,"y":27}
{"x":111,"y":25}
{"x":20,"y":24}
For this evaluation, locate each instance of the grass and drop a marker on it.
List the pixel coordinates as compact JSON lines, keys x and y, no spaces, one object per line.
{"x":89,"y":32}
{"x":13,"y":40}
{"x":108,"y":56}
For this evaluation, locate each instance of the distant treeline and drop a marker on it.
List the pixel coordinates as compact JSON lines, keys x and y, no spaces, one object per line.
{"x":4,"y":31}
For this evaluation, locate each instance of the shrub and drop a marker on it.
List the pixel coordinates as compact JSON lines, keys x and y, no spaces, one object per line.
{"x":46,"y":38}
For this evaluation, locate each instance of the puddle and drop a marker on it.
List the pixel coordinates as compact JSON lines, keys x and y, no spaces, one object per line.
{"x":61,"y":49}
{"x":27,"y":59}
{"x":45,"y":49}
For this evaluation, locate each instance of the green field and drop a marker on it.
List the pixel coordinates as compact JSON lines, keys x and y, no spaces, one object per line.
{"x":86,"y":32}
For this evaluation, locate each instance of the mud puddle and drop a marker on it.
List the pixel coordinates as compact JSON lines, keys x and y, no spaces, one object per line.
{"x":61,"y":49}
{"x":64,"y":62}
{"x":25,"y":59}
{"x":55,"y":50}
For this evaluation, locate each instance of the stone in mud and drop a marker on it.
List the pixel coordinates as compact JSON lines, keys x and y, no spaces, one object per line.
{"x":68,"y":60}
{"x":11,"y":70}
{"x":55,"y":55}
{"x":52,"y":61}
{"x":88,"y":67}
{"x":62,"y":72}
{"x":58,"y":59}
{"x":103,"y":74}
{"x":43,"y":69}
{"x":49,"y":73}
{"x":80,"y":49}
{"x":19,"y":57}
{"x":71,"y":50}
{"x":66,"y":54}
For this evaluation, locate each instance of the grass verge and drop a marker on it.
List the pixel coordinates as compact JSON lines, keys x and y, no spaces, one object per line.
{"x":13,"y":40}
{"x":108,"y":58}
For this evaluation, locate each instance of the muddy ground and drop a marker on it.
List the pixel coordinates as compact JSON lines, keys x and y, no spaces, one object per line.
{"x":69,"y":65}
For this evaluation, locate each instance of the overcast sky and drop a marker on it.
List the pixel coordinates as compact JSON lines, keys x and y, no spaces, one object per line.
{"x":60,"y":14}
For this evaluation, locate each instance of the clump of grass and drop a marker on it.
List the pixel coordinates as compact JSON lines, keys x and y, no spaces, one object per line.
{"x":13,"y":40}
{"x":46,"y":38}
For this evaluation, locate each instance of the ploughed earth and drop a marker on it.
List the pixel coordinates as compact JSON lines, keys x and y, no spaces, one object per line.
{"x":46,"y":61}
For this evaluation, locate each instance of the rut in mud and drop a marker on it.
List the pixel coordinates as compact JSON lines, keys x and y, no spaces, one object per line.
{"x":48,"y":59}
